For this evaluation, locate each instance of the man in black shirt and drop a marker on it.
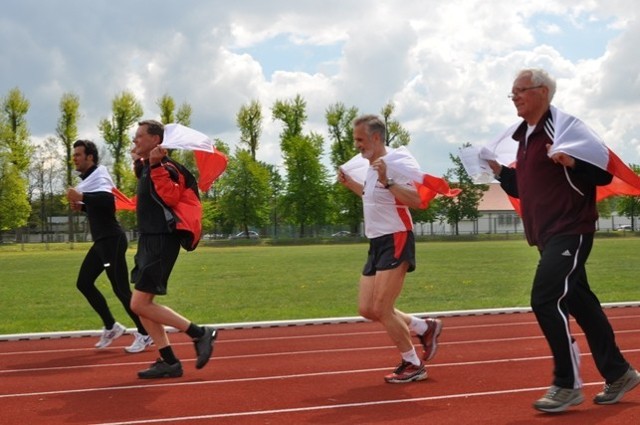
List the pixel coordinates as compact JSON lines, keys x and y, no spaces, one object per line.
{"x":94,"y":197}
{"x":163,"y":186}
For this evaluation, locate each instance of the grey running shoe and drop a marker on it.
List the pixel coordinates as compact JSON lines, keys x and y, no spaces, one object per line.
{"x":204,"y":346}
{"x":613,"y":392}
{"x":110,"y":335}
{"x":161,"y":369}
{"x":559,"y":399}
{"x":429,"y":339}
{"x":407,"y":372}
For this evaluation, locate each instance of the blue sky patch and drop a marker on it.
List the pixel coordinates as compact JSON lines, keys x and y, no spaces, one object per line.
{"x":575,"y":40}
{"x":281,"y":54}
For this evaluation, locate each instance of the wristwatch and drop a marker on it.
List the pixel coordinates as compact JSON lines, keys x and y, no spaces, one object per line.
{"x":390,"y":183}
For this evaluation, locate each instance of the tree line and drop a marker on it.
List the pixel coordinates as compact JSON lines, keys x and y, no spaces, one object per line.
{"x":251,"y":194}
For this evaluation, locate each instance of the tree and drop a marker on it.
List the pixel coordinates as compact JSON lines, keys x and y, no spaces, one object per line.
{"x":127,"y":111}
{"x":293,"y":114}
{"x":67,"y":132}
{"x":347,"y":208}
{"x":629,"y":206}
{"x":305,"y":199}
{"x":15,"y":154}
{"x":397,"y":135}
{"x":249,"y":120}
{"x":277,"y":185}
{"x":245,"y":199}
{"x":46,"y":173}
{"x":465,"y":205}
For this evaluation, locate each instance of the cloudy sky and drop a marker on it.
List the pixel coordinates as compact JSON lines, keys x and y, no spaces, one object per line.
{"x":446,"y":65}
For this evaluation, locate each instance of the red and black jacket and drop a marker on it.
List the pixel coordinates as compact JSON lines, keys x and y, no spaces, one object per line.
{"x":168,"y":201}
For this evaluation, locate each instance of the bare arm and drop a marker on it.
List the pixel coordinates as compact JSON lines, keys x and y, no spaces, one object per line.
{"x":349,"y":183}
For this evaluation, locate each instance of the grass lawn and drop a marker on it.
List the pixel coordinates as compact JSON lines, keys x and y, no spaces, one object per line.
{"x":255,"y":283}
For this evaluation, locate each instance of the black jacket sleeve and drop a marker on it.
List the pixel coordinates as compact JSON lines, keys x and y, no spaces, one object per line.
{"x":507,"y":179}
{"x":591,"y":173}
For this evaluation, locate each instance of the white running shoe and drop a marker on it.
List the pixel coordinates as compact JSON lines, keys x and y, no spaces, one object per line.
{"x":140,"y":342}
{"x":110,"y":335}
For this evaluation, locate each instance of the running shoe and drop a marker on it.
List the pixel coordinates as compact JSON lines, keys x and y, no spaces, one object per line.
{"x":140,"y":343}
{"x":161,"y":369}
{"x":613,"y":392}
{"x":407,"y":372}
{"x":110,"y":335}
{"x":429,"y":339}
{"x":559,"y":399}
{"x":204,"y":346}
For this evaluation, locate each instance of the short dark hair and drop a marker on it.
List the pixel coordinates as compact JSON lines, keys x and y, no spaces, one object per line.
{"x":90,"y":148}
{"x":155,"y":128}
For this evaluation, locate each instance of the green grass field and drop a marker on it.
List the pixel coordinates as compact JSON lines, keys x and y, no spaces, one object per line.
{"x":256,"y":283}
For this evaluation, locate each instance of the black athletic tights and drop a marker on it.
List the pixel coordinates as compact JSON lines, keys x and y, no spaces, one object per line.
{"x":108,"y":255}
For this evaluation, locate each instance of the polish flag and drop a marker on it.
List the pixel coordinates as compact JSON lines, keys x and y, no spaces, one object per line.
{"x":400,"y":161}
{"x":100,"y":181}
{"x":573,"y":137}
{"x":211,"y":162}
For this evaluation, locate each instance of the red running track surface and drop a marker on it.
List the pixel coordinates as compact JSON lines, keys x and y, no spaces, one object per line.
{"x":488,"y":370}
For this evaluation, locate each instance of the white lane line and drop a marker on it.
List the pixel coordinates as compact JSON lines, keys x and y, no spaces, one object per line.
{"x":275,"y":377}
{"x":333,"y":406}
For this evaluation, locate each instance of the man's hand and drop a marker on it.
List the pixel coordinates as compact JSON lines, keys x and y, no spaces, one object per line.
{"x":73,"y":195}
{"x":496,"y":168}
{"x":562,"y":158}
{"x":381,"y":168}
{"x":156,"y":155}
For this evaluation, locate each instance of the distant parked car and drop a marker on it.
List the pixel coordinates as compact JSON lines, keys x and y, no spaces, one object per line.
{"x":341,"y":234}
{"x":243,"y":235}
{"x":623,"y":227}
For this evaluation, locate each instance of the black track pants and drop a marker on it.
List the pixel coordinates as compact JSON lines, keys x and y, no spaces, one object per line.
{"x":560,"y":288}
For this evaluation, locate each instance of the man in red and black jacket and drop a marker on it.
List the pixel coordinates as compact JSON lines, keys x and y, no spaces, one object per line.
{"x":164,"y":187}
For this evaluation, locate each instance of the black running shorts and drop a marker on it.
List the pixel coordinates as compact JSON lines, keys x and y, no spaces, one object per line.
{"x":154,"y":261}
{"x":389,"y":251}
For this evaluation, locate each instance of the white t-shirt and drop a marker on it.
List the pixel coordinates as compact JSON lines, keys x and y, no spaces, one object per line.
{"x":383,"y":214}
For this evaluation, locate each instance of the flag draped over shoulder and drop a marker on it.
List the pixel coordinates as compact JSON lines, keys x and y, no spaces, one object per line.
{"x":573,"y":137}
{"x":100,"y":181}
{"x":400,"y":161}
{"x":210,"y":162}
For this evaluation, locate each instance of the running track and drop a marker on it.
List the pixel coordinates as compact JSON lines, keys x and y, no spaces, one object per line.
{"x":489,"y":368}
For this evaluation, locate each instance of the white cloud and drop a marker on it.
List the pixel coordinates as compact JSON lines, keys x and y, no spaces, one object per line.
{"x":447,"y":65}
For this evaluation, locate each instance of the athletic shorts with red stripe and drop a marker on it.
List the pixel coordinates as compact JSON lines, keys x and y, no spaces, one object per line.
{"x":389,"y":251}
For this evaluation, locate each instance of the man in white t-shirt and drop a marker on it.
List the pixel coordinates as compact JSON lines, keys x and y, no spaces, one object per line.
{"x":387,"y":196}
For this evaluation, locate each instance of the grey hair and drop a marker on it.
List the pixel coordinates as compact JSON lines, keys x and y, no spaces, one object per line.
{"x":540,"y":77}
{"x":373,"y":123}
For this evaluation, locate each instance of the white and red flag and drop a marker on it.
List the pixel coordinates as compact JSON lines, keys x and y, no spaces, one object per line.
{"x":210,"y":161}
{"x":100,"y":181}
{"x":573,"y":137}
{"x":400,"y":161}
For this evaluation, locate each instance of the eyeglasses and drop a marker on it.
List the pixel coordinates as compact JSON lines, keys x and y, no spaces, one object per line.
{"x":519,"y":91}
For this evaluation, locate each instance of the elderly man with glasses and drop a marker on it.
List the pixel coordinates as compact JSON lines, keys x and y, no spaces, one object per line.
{"x":555,"y":182}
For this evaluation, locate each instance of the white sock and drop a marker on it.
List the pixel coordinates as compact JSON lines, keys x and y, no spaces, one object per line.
{"x":411,"y":356}
{"x":417,"y":325}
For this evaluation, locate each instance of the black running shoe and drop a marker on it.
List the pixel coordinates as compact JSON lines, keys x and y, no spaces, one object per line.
{"x":204,"y":346}
{"x":161,"y":369}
